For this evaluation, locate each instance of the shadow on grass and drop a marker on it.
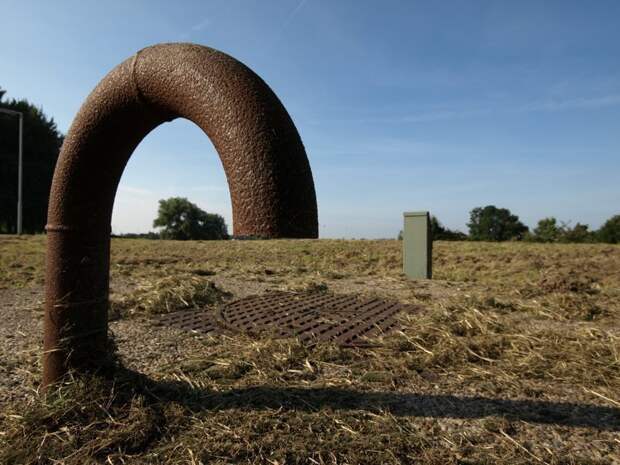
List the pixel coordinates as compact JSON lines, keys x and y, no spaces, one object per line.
{"x":397,"y":404}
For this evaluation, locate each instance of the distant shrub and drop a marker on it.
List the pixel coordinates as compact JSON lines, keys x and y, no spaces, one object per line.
{"x":149,"y":235}
{"x":610,"y":231}
{"x":547,"y":230}
{"x":578,"y":234}
{"x":440,"y":233}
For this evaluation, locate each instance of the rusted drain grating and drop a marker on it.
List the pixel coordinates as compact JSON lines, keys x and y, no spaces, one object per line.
{"x":344,"y":319}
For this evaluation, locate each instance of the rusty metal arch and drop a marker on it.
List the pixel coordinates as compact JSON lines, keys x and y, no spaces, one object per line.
{"x":269,"y":177}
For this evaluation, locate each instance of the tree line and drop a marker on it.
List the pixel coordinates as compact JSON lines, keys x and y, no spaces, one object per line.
{"x":491,"y":223}
{"x":41,"y":145}
{"x":180,"y":219}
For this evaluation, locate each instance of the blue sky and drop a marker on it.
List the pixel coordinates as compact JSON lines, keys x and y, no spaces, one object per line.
{"x":402,"y":105}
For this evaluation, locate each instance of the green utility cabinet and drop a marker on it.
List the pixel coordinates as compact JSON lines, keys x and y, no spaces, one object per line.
{"x":417,"y":245}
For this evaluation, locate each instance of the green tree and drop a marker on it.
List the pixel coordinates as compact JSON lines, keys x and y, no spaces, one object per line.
{"x":547,"y":230}
{"x":494,"y":224}
{"x":181,"y":219}
{"x":42,"y":142}
{"x":610,"y":231}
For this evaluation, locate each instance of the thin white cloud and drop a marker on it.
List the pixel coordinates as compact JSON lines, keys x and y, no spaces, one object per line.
{"x":134,"y":191}
{"x":440,"y":115}
{"x":211,"y":188}
{"x":293,"y":13}
{"x":578,"y":103}
{"x":421,"y":117}
{"x":201,"y":25}
{"x":581,"y":103}
{"x":195,"y":28}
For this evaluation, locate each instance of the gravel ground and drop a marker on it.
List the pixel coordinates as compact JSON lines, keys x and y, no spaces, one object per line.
{"x":142,"y":346}
{"x":21,"y":333}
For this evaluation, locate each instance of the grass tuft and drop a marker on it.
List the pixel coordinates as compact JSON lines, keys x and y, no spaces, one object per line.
{"x":169,"y":294}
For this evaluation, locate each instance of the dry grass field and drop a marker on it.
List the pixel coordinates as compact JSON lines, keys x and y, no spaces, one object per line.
{"x":513,"y":357}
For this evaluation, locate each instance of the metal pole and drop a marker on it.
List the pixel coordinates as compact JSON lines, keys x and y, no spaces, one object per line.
{"x":20,"y":172}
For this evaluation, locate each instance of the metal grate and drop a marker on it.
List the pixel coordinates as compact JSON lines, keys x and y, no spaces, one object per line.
{"x":344,"y":319}
{"x":197,"y":321}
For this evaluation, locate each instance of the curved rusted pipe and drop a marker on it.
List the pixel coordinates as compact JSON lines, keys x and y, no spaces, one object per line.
{"x":268,"y":174}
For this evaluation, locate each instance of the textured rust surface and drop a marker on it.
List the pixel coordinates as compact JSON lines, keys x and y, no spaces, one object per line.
{"x":268,"y":174}
{"x":344,"y":319}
